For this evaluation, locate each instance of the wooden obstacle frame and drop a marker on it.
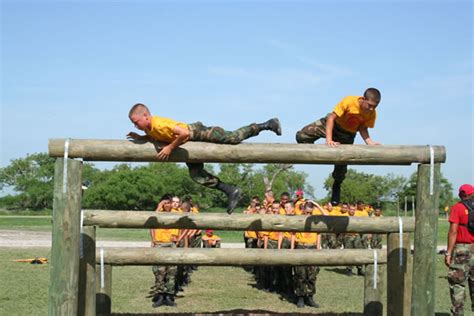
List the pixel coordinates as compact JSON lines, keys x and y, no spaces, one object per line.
{"x":75,"y":288}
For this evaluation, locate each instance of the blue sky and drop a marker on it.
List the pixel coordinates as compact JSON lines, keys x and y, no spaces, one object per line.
{"x":74,"y":68}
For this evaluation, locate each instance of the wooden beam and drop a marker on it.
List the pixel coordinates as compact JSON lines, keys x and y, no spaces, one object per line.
{"x":124,"y":150}
{"x":424,"y":259}
{"x":243,"y":222}
{"x":373,"y":297}
{"x":87,"y":286}
{"x":64,"y":284}
{"x":239,"y":257}
{"x":399,"y":277}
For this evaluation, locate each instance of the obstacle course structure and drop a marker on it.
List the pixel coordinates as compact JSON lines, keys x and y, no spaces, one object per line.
{"x":75,"y":289}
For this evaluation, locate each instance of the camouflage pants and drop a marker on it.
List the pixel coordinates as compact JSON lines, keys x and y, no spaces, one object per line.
{"x":165,"y":276}
{"x":329,"y":241}
{"x":353,"y":242}
{"x":305,"y":276}
{"x":460,"y":271}
{"x":316,"y":130}
{"x":214,"y":134}
{"x":376,"y":241}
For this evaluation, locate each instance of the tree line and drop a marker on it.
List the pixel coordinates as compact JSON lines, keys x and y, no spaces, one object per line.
{"x":140,"y":186}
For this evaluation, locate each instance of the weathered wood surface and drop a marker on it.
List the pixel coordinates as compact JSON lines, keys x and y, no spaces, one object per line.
{"x":87,"y":281}
{"x":373,"y":297}
{"x":104,"y":294}
{"x":424,"y":259}
{"x":399,"y":277}
{"x":242,"y":222}
{"x":239,"y":257}
{"x":124,"y":150}
{"x":63,"y":290}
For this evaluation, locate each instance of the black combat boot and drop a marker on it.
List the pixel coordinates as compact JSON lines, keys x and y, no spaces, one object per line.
{"x":349,"y":271}
{"x":233,"y":195}
{"x":157,"y":300}
{"x":271,"y":125}
{"x":308,"y":300}
{"x":359,"y":271}
{"x":300,"y":303}
{"x":336,"y":193}
{"x":169,"y":300}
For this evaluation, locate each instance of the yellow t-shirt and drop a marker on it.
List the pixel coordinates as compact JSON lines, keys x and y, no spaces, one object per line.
{"x":165,"y":234}
{"x":316,"y":211}
{"x":307,"y":238}
{"x":273,"y":235}
{"x":251,"y":234}
{"x":282,"y":211}
{"x":298,"y":205}
{"x":194,"y":209}
{"x":162,"y":129}
{"x":350,"y":116}
{"x":361,"y":213}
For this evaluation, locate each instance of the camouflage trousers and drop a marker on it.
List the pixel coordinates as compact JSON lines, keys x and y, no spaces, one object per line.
{"x":305,"y":276}
{"x":330,"y":241}
{"x":353,"y":242}
{"x":316,"y":130}
{"x":460,"y":271}
{"x":214,"y":134}
{"x":376,"y":241}
{"x":165,"y":276}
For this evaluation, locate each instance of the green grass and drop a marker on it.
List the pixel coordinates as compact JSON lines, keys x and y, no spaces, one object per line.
{"x":24,"y":289}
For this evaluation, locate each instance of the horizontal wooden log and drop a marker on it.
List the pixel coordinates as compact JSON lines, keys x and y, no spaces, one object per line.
{"x":242,"y":222}
{"x":124,"y":150}
{"x":240,"y":257}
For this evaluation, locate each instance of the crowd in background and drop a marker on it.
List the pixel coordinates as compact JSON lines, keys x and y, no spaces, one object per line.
{"x":297,"y":283}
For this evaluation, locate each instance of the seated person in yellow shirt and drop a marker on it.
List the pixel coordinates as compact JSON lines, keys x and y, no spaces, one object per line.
{"x":209,"y":240}
{"x":176,"y":133}
{"x":353,"y":114}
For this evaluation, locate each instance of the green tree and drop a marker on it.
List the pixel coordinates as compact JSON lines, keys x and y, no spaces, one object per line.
{"x":369,"y":188}
{"x":32,"y":179}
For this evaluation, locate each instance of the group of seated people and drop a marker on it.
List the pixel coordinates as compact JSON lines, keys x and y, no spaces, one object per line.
{"x":298,"y":282}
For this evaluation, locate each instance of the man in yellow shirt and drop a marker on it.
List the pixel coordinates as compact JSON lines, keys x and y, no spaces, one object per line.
{"x":176,"y":133}
{"x":376,"y":241}
{"x":353,"y":114}
{"x":305,"y":276}
{"x":164,"y":290}
{"x":352,"y":241}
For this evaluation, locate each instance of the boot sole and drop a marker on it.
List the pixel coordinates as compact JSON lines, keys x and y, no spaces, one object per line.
{"x":236,"y":197}
{"x":278,"y":131}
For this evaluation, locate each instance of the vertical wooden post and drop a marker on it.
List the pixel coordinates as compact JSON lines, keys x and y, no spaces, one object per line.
{"x":413,"y":205}
{"x":399,"y":277}
{"x":104,"y":294}
{"x":426,"y":233}
{"x":406,"y":206}
{"x":87,"y":280}
{"x":373,"y":305}
{"x":64,"y":277}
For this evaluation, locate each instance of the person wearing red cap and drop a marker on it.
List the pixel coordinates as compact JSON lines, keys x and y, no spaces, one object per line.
{"x":210,"y":240}
{"x":460,"y":253}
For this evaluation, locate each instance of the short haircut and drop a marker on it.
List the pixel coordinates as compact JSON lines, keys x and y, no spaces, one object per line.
{"x":138,"y":108}
{"x":166,"y":196}
{"x":285,"y":194}
{"x":372,"y":94}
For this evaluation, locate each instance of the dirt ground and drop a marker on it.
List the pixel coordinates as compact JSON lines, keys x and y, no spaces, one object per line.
{"x":29,"y":239}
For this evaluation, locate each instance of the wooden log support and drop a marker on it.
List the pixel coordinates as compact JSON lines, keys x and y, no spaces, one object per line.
{"x":243,"y":222}
{"x":63,"y":290}
{"x":373,"y":297}
{"x":399,"y":277}
{"x":239,"y":257}
{"x":104,"y":291}
{"x":424,"y":261}
{"x":124,"y":150}
{"x":87,"y":286}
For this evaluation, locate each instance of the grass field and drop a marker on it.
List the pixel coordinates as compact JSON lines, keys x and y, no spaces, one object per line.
{"x":24,"y":289}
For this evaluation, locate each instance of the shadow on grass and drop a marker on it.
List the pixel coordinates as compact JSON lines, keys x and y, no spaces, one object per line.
{"x":243,"y":312}
{"x":337,"y":270}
